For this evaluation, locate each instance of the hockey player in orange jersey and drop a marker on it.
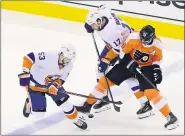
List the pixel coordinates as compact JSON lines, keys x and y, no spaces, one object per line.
{"x":113,"y":31}
{"x":44,"y":73}
{"x":141,"y":52}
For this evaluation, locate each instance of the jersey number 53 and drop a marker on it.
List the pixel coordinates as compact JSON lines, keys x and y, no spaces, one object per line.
{"x":41,"y":55}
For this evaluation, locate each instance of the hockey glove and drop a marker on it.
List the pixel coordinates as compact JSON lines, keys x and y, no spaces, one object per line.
{"x":157,"y":72}
{"x":55,"y":86}
{"x":24,"y":77}
{"x":53,"y":89}
{"x":133,"y":66}
{"x":88,"y":28}
{"x":104,"y":63}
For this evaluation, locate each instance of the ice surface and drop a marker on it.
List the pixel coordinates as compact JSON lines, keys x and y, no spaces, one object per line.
{"x":22,"y":33}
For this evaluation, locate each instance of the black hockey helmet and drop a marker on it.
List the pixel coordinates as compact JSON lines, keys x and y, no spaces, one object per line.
{"x":147,"y":34}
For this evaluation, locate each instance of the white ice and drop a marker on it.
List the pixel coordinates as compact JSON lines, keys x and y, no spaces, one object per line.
{"x":23,"y":33}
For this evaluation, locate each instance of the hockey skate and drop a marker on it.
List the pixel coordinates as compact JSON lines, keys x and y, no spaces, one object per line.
{"x":145,"y":111}
{"x":80,"y":123}
{"x":101,"y":105}
{"x":27,"y":108}
{"x":85,"y":108}
{"x":172,"y":122}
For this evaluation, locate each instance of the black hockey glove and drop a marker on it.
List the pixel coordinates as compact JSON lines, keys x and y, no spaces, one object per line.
{"x":157,"y":72}
{"x":133,"y":66}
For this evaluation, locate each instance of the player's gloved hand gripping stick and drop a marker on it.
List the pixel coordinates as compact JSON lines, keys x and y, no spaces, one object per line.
{"x":139,"y":71}
{"x":134,"y":68}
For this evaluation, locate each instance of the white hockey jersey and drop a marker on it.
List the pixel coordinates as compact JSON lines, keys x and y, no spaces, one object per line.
{"x":115,"y":31}
{"x":46,"y":64}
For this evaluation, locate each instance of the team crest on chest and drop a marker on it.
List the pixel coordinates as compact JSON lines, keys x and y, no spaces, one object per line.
{"x":145,"y":58}
{"x":141,"y":56}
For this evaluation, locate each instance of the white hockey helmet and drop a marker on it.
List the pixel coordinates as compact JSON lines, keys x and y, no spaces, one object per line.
{"x":94,"y":17}
{"x":105,"y":8}
{"x":66,"y":54}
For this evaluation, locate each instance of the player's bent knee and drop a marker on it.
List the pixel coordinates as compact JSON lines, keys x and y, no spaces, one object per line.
{"x":62,"y":100}
{"x":103,"y":83}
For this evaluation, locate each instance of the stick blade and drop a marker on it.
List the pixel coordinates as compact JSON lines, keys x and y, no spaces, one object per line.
{"x":117,"y":108}
{"x":118,"y":102}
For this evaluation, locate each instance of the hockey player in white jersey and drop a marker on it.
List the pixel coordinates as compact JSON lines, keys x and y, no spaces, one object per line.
{"x":113,"y":32}
{"x":44,"y":73}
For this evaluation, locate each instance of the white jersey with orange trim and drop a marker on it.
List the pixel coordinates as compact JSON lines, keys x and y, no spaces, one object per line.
{"x":115,"y":30}
{"x":46,"y":64}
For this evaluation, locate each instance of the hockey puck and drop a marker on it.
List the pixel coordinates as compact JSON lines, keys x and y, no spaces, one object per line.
{"x":90,"y":115}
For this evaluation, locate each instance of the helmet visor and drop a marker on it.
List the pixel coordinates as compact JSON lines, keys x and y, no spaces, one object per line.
{"x":147,"y":38}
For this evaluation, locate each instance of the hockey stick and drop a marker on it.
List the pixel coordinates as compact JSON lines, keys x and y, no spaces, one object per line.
{"x":85,"y":96}
{"x":138,"y":70}
{"x":115,"y":107}
{"x":81,"y":95}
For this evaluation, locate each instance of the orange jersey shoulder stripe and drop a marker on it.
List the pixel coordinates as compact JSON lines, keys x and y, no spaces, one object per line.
{"x":27,"y":62}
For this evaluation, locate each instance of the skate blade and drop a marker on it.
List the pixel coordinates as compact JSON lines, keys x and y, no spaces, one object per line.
{"x":26,"y":109}
{"x":82,"y":125}
{"x":173,"y":126}
{"x":104,"y":108}
{"x":145,"y":115}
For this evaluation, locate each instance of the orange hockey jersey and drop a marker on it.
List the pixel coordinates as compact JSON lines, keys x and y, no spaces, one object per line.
{"x":152,"y":54}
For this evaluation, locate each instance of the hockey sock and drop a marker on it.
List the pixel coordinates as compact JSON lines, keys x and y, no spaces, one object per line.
{"x":139,"y":94}
{"x":158,"y":100}
{"x":99,"y":90}
{"x":102,"y":85}
{"x":69,"y":110}
{"x":140,"y":97}
{"x":90,"y":100}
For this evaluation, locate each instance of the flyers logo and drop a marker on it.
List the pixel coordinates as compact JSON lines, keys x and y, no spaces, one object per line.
{"x":140,"y":56}
{"x":143,"y":57}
